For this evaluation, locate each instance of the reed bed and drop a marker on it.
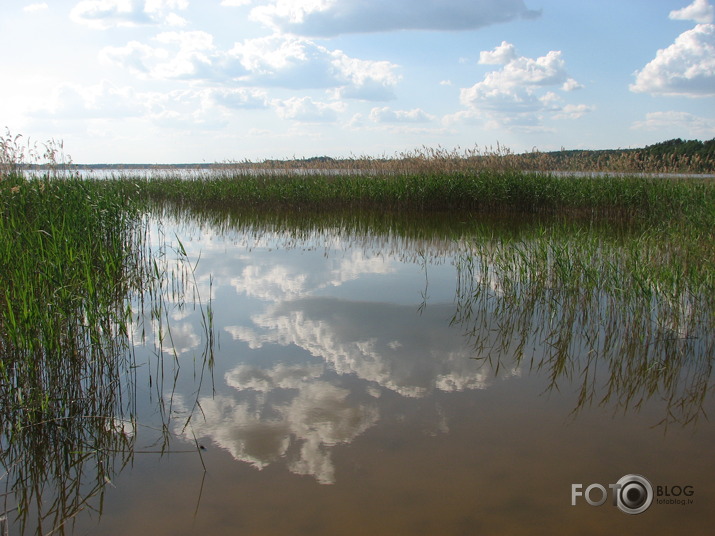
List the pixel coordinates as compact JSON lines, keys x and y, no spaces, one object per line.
{"x":625,"y":320}
{"x":66,"y":270}
{"x":492,"y":192}
{"x":629,"y":271}
{"x":674,"y":156}
{"x":76,"y":272}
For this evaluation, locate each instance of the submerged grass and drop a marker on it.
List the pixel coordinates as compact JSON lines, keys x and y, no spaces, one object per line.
{"x":625,"y":320}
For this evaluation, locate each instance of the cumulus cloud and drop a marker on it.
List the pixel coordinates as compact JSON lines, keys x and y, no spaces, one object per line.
{"x":332,"y":17}
{"x":504,"y":53}
{"x":298,"y":63}
{"x":103,"y":14}
{"x":690,"y":124}
{"x":574,"y":111}
{"x":699,"y":11}
{"x":180,"y":55}
{"x":35,"y":8}
{"x":306,"y":110}
{"x":272,"y":61}
{"x":186,"y":109}
{"x":518,"y":94}
{"x":240,"y":98}
{"x":687,"y":67}
{"x":103,"y":100}
{"x":387,"y":115}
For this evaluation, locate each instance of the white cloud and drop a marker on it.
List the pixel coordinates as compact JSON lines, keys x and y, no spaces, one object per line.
{"x":35,"y":8}
{"x":388,"y":115}
{"x":103,"y":14}
{"x":299,"y":63}
{"x":330,"y":17}
{"x":502,"y":54}
{"x":194,"y":109}
{"x":699,"y":11}
{"x":186,"y":109}
{"x":571,"y":85}
{"x":673,"y":121}
{"x":574,"y":111}
{"x":240,"y":98}
{"x":189,"y":55}
{"x":686,"y":68}
{"x":103,"y":100}
{"x":306,"y":110}
{"x":272,"y":61}
{"x":516,"y":95}
{"x":135,"y":56}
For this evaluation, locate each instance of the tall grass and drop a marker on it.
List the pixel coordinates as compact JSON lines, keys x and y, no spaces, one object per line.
{"x":76,"y":267}
{"x":662,"y":158}
{"x":626,"y":320}
{"x":486,"y":192}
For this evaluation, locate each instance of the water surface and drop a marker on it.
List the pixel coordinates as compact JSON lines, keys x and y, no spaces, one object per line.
{"x":378,"y":382}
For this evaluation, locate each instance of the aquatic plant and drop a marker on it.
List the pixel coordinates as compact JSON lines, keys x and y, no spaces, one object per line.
{"x":77,"y":270}
{"x":625,"y":320}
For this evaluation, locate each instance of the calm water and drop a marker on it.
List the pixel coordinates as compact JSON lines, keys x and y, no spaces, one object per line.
{"x":349,"y":393}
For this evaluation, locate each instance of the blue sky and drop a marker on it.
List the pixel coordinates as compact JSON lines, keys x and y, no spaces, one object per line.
{"x":170,"y":81}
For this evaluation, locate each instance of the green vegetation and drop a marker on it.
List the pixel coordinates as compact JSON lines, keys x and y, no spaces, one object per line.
{"x":66,"y":268}
{"x":76,"y":275}
{"x":621,"y":267}
{"x":490,"y":192}
{"x":626,"y":319}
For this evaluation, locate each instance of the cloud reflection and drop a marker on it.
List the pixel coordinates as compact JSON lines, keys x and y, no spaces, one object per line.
{"x":383,"y":343}
{"x":283,"y":413}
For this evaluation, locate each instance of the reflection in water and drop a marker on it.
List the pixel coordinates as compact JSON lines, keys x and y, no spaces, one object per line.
{"x":580,"y":312}
{"x":69,"y":413}
{"x":351,"y":340}
{"x":547,"y":302}
{"x":265,"y":425}
{"x":383,"y":343}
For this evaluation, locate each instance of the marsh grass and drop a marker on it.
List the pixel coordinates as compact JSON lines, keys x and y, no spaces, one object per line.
{"x":596,"y":270}
{"x":76,"y":272}
{"x":669,"y":157}
{"x":488,"y":192}
{"x":625,"y":320}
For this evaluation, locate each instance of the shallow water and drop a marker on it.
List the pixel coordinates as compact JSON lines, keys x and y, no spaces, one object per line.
{"x":345,"y":393}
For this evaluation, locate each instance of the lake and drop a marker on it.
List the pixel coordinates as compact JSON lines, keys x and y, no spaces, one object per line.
{"x":352,"y":378}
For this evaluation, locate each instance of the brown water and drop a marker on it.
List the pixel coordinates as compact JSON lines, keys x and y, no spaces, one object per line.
{"x":346,"y":396}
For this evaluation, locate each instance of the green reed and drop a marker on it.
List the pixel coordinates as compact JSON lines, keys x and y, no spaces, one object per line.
{"x":486,"y":192}
{"x":65,"y":271}
{"x":76,"y":270}
{"x":625,"y":318}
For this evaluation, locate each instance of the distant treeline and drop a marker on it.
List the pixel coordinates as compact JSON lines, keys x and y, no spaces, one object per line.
{"x":674,"y":155}
{"x":671,"y":156}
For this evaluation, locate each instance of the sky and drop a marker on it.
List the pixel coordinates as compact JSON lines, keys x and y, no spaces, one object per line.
{"x":188,"y":81}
